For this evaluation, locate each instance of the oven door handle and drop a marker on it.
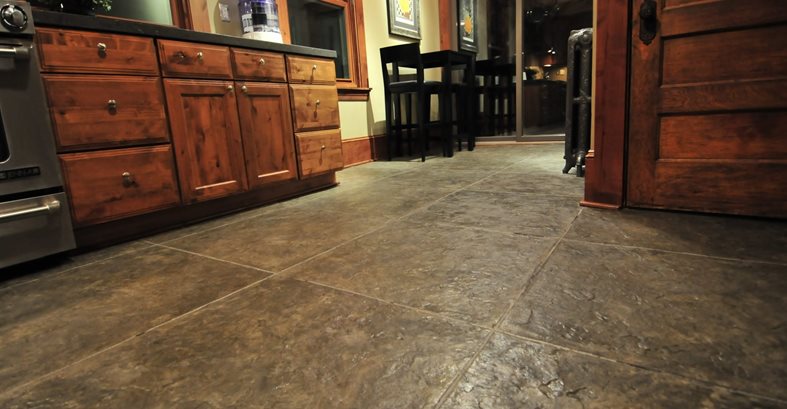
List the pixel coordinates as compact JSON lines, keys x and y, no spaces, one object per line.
{"x":17,"y":53}
{"x":47,"y":208}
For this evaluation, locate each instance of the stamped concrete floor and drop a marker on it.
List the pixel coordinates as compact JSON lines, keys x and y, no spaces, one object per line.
{"x":471,"y":282}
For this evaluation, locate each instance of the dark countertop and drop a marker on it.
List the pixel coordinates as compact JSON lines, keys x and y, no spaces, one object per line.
{"x":109,"y":25}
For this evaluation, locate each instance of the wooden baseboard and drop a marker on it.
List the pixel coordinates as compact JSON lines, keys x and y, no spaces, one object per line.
{"x":357,"y":151}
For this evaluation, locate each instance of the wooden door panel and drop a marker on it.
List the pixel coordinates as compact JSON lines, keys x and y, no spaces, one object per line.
{"x":739,"y":135}
{"x":206,"y":136}
{"x":707,"y":57}
{"x":708,"y":109}
{"x":719,"y":14}
{"x":266,"y":126}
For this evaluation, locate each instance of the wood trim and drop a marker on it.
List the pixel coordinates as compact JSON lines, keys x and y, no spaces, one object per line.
{"x":354,"y":94}
{"x":284,"y":21}
{"x":357,"y":151}
{"x":605,"y":164}
{"x":106,"y":234}
{"x":200,"y":15}
{"x":447,"y":24}
{"x":181,"y":14}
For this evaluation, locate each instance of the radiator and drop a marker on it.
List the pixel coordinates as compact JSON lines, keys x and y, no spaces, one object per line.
{"x":578,"y":99}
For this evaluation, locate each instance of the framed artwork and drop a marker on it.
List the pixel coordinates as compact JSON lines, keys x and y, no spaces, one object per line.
{"x":404,"y":19}
{"x":466,"y":14}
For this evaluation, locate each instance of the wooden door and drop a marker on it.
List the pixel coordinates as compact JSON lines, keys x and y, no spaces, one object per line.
{"x":708,"y":107}
{"x":266,"y":125}
{"x":206,"y":136}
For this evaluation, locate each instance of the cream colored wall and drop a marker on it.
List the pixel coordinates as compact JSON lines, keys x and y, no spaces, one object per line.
{"x":358,"y":118}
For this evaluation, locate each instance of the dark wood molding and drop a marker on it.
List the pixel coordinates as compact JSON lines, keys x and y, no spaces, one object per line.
{"x":354,"y":94}
{"x":357,"y":151}
{"x":181,"y":14}
{"x":105,"y":234}
{"x":604,"y":177}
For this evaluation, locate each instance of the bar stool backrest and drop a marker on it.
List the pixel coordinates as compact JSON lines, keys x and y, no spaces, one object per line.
{"x":408,"y":55}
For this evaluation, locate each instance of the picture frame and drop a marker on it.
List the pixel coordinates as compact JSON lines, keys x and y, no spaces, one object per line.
{"x":467,"y":33}
{"x":404,"y":18}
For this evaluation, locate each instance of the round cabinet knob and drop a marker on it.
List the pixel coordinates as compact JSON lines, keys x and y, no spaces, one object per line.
{"x":314,"y":67}
{"x":230,"y":88}
{"x":245,"y":89}
{"x":128,"y":179}
{"x":112,"y":104}
{"x":200,"y":55}
{"x":322,"y":147}
{"x":102,"y":48}
{"x":262,"y":61}
{"x":14,"y":17}
{"x":317,"y":102}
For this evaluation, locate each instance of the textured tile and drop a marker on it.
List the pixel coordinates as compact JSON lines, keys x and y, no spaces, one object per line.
{"x":502,"y":211}
{"x":279,"y":239}
{"x":702,"y":234}
{"x":284,"y":344}
{"x":717,"y":320}
{"x":556,"y":184}
{"x":448,"y":179}
{"x":32,"y":271}
{"x":373,"y":172}
{"x":60,"y":319}
{"x":467,"y":274}
{"x":515,"y":374}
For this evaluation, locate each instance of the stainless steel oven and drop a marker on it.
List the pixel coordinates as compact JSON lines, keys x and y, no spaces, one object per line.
{"x":34,"y":215}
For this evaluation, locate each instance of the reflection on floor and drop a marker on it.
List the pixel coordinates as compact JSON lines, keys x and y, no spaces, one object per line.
{"x":472,"y":282}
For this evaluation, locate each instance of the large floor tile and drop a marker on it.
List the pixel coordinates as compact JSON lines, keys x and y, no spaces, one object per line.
{"x":443,"y":179}
{"x":710,"y":319}
{"x":47,"y":267}
{"x":373,"y":172}
{"x":503,"y":211}
{"x":277,"y":240}
{"x":556,"y":184}
{"x":284,"y":344}
{"x":467,"y":274}
{"x":702,"y":234}
{"x":514,"y":374}
{"x":60,"y":319}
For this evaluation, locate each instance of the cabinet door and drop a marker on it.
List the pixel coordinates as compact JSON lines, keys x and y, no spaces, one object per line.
{"x":267,"y":132}
{"x":206,"y":134}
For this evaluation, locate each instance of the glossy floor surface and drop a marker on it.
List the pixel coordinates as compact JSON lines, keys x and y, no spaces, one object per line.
{"x":470,"y":282}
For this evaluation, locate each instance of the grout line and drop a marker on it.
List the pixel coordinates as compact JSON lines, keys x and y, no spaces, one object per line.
{"x":537,"y":271}
{"x":684,"y":253}
{"x":216,"y":258}
{"x":458,"y":377}
{"x":701,"y":382}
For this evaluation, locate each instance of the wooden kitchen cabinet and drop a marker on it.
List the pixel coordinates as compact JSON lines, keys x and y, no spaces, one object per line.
{"x":206,"y":137}
{"x":266,"y":127}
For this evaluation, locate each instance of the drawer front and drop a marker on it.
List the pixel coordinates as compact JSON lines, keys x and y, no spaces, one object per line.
{"x":314,"y":107}
{"x":90,"y":112}
{"x":113,"y":184}
{"x":192,"y":60}
{"x":255,"y":65}
{"x":319,"y":152}
{"x":311,"y":70}
{"x":87,"y":52}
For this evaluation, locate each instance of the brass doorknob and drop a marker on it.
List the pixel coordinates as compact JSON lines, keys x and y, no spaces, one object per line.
{"x":128,"y":179}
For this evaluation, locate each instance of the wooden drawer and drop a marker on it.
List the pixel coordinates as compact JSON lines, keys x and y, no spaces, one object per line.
{"x":118,"y":183}
{"x":319,"y":152}
{"x":311,"y":70}
{"x":86,"y":52}
{"x":90,"y":112}
{"x":193,"y":60}
{"x":314,"y":107}
{"x":257,"y":65}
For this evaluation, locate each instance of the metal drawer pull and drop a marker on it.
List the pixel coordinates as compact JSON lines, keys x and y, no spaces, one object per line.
{"x":200,"y":55}
{"x":102,"y":48}
{"x":230,"y":88}
{"x":322,"y":147}
{"x":128,"y":179}
{"x":245,"y":89}
{"x":317,"y":102}
{"x":47,"y":208}
{"x":314,"y":67}
{"x":112,"y":104}
{"x":262,"y":61}
{"x":17,"y":53}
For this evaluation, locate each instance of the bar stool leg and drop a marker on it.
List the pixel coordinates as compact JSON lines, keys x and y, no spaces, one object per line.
{"x":398,"y":116}
{"x":421,"y":117}
{"x":388,"y":129}
{"x":408,"y":107}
